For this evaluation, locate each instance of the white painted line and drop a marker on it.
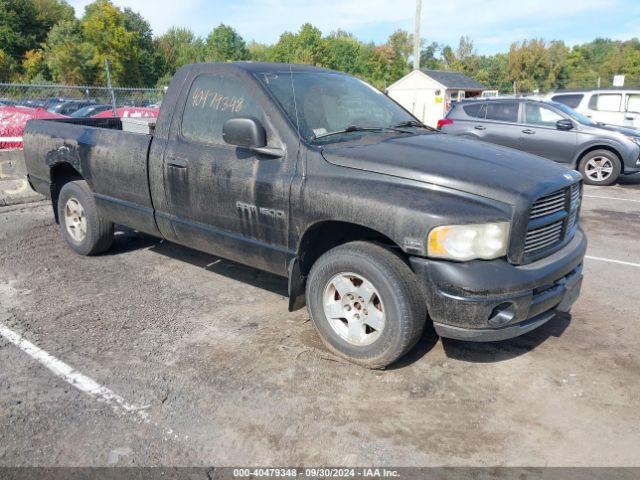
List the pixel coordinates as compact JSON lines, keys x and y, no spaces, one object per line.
{"x":75,"y":378}
{"x":613,"y":198}
{"x":83,"y":383}
{"x":619,"y":262}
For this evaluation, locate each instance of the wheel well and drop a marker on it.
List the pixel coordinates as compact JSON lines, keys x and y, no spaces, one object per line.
{"x":324,"y":236}
{"x":61,"y":174}
{"x":601,"y":147}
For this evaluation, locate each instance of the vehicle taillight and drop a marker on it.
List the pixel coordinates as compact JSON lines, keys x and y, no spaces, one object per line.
{"x":444,"y":121}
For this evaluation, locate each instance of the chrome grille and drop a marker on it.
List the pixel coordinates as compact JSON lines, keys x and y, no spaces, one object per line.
{"x":552,"y":220}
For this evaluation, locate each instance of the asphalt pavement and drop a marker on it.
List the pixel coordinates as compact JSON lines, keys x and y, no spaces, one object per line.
{"x":154,"y":354}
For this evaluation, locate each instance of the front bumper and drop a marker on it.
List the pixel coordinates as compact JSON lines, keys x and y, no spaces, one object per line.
{"x":493,"y":300}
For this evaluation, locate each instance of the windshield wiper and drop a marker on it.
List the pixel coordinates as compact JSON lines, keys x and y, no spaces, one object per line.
{"x":412,"y":123}
{"x":350,"y":128}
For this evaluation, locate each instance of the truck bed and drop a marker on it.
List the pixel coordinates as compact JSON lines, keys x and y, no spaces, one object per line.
{"x":113,"y":162}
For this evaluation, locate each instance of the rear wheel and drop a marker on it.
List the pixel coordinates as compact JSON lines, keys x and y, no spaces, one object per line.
{"x":83,"y":227}
{"x":366,"y":304}
{"x":600,"y":167}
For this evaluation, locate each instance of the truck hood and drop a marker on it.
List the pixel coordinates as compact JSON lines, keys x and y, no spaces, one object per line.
{"x":471,"y":166}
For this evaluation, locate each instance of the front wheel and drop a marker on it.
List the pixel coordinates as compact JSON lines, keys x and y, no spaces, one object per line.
{"x":600,"y":167}
{"x":366,"y":304}
{"x":83,"y":227}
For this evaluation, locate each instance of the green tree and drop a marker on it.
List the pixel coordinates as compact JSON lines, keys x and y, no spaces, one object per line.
{"x":104,"y":26}
{"x":177,"y":47}
{"x":68,"y":57}
{"x":401,"y":42}
{"x":149,"y":60}
{"x":307,"y":47}
{"x":34,"y":66}
{"x":25,"y":24}
{"x":345,"y":53}
{"x":259,"y":52}
{"x":7,"y":66}
{"x":19,"y":27}
{"x":49,"y":13}
{"x":429,"y":56}
{"x":225,"y":44}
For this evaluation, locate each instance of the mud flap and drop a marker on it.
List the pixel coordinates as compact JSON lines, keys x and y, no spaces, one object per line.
{"x":297,"y":299}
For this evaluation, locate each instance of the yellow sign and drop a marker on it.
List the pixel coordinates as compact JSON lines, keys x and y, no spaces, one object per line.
{"x":438,"y":99}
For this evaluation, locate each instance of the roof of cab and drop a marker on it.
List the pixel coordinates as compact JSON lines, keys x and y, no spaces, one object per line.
{"x":269,"y":67}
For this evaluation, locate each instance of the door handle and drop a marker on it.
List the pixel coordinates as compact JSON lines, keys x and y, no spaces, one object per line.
{"x":630,"y":117}
{"x":528,"y":131}
{"x":480,"y":127}
{"x":177,"y":162}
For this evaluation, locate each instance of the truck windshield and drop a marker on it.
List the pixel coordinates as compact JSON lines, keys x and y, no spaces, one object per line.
{"x":332,"y":103}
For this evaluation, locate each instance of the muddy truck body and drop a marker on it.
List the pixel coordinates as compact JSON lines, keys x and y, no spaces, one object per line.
{"x":381,"y":225}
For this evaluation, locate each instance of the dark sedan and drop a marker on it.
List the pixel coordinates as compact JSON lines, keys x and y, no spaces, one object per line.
{"x":551,"y":130}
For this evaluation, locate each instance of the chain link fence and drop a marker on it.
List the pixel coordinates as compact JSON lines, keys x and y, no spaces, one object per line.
{"x":66,"y":99}
{"x":55,"y":101}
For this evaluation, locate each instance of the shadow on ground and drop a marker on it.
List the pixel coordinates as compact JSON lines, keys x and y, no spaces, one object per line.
{"x":629,"y":181}
{"x":129,"y":240}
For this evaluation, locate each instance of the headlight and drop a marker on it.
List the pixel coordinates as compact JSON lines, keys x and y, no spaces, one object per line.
{"x":468,"y":242}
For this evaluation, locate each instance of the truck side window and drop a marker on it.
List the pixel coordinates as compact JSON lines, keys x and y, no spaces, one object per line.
{"x":212,"y":100}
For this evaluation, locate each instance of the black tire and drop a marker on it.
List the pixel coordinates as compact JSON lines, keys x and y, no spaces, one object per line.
{"x":99,"y":231}
{"x":399,"y":291}
{"x":590,"y":176}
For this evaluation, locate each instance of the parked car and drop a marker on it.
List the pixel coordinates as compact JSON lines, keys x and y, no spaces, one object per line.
{"x":615,"y":106}
{"x":374,"y":218}
{"x":34,"y":103}
{"x":70,"y":106}
{"x":5,"y":102}
{"x":91,"y":110}
{"x":551,"y":130}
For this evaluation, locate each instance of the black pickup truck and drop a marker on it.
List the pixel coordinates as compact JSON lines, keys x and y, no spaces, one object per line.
{"x":379,"y":223}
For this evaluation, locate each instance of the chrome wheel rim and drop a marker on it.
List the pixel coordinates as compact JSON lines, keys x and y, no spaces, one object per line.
{"x":599,"y":169}
{"x":354,"y":309}
{"x":75,"y":220}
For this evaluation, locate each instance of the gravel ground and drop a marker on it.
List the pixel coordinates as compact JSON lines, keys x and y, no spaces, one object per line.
{"x":226,"y":376}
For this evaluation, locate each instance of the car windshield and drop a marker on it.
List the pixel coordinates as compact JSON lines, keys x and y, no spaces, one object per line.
{"x":580,"y":118}
{"x":333,"y":103}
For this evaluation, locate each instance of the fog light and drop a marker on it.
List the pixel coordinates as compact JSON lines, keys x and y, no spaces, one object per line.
{"x":502,"y":314}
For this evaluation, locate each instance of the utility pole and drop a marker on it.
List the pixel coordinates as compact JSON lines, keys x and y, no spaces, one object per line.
{"x":416,"y":36}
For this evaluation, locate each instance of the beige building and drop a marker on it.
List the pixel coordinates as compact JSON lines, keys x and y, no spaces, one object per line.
{"x":428,"y":94}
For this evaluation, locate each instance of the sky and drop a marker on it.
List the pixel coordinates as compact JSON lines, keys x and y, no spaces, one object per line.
{"x":492,"y":24}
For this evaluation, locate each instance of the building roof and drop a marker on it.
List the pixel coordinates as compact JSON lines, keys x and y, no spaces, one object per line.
{"x":453,"y":80}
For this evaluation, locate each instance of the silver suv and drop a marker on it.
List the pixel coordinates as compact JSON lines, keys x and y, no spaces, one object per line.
{"x":551,"y":130}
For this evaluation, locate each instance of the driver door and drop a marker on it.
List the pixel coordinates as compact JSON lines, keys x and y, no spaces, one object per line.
{"x":223,"y":199}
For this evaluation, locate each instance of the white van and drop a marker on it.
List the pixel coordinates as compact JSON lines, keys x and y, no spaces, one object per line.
{"x":613,"y":106}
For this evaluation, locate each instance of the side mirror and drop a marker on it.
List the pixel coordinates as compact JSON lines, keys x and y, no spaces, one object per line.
{"x":249,"y":133}
{"x":244,"y":132}
{"x":564,"y":124}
